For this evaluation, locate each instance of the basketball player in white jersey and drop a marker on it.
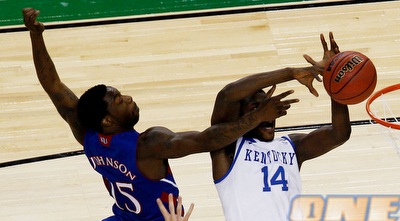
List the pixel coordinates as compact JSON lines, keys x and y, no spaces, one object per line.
{"x":257,"y":176}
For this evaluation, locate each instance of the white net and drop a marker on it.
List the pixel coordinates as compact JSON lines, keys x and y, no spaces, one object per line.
{"x":384,"y":108}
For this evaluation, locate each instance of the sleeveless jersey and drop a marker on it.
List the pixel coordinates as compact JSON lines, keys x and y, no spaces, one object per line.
{"x":114,"y":157}
{"x":262,"y":180}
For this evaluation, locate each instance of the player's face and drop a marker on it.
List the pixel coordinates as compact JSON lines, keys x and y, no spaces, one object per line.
{"x":265,"y":131}
{"x":122,"y":108}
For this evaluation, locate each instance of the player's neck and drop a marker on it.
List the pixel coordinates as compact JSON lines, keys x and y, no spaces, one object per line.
{"x":115,"y":130}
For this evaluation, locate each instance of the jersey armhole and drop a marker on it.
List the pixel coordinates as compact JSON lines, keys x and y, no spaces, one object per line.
{"x":290,"y":141}
{"x":237,"y":151}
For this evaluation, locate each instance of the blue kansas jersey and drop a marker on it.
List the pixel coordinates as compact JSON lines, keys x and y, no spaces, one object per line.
{"x":114,"y":157}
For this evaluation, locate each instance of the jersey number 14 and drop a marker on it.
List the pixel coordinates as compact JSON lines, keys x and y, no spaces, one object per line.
{"x":277,"y":179}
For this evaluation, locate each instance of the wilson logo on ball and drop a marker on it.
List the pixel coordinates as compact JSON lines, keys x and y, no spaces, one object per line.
{"x":349,"y":77}
{"x":349,"y":66}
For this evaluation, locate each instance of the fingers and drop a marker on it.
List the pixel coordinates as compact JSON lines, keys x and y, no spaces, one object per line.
{"x":288,"y":102}
{"x":30,"y":22}
{"x":324,"y":44}
{"x":34,"y":16}
{"x":171,"y":204}
{"x":285,"y":104}
{"x":317,"y":75}
{"x":179,"y":208}
{"x":163,"y":210}
{"x":189,"y":212}
{"x":334,"y":46}
{"x":171,"y":215}
{"x":283,"y":107}
{"x":26,"y":10}
{"x":313,"y":91}
{"x":309,"y":59}
{"x":273,"y":108}
{"x":30,"y":14}
{"x":284,"y":94}
{"x":271,"y":91}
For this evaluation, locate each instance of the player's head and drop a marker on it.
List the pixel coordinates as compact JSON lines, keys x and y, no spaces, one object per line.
{"x":103,"y":107}
{"x":265,"y":131}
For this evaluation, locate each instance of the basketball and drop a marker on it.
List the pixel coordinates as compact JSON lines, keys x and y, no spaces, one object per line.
{"x":350,"y":77}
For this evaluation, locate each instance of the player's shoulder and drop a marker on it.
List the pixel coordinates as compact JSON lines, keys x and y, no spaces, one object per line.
{"x":157,"y":130}
{"x":296,"y":137}
{"x":152,"y":142}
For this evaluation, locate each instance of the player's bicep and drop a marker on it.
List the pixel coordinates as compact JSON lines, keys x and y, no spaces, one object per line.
{"x":314,"y":144}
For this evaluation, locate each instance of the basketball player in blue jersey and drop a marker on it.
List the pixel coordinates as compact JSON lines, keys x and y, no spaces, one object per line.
{"x":134,"y":165}
{"x":257,"y":175}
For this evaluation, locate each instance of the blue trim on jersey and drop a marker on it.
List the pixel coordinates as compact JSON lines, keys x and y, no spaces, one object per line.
{"x":234,"y":160}
{"x":290,"y":141}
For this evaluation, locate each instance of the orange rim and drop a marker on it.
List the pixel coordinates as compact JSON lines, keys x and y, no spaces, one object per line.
{"x":376,"y":95}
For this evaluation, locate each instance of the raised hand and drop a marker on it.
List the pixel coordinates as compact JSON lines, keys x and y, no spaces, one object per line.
{"x":274,"y":107}
{"x":307,"y":75}
{"x":172,"y":215}
{"x":30,"y":16}
{"x":328,"y":53}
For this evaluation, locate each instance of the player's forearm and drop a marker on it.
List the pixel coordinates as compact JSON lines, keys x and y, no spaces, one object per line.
{"x":220,"y":135}
{"x":45,"y":68}
{"x":341,"y":124}
{"x":240,"y":89}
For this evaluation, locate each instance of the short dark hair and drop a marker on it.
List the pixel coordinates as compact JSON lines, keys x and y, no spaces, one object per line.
{"x":92,"y":108}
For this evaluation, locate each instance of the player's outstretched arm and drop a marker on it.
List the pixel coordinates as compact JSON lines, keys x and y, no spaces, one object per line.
{"x":326,"y":138}
{"x":227,"y":103}
{"x":162,"y":143}
{"x":62,"y":97}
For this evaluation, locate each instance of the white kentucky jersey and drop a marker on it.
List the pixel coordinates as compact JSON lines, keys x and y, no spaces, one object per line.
{"x":261,"y":182}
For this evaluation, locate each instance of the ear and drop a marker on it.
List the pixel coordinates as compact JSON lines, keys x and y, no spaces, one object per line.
{"x":107,"y":121}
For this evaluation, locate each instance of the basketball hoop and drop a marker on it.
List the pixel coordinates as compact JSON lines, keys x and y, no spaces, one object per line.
{"x":384,"y":108}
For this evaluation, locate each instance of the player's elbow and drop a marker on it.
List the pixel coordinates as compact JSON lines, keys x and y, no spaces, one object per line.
{"x":228,"y":91}
{"x":342,"y":134}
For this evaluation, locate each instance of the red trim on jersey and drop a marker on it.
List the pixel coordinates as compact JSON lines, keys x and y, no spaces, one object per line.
{"x":105,"y":140}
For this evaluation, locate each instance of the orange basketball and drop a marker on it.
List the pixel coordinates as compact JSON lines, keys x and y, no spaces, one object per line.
{"x":350,"y":77}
